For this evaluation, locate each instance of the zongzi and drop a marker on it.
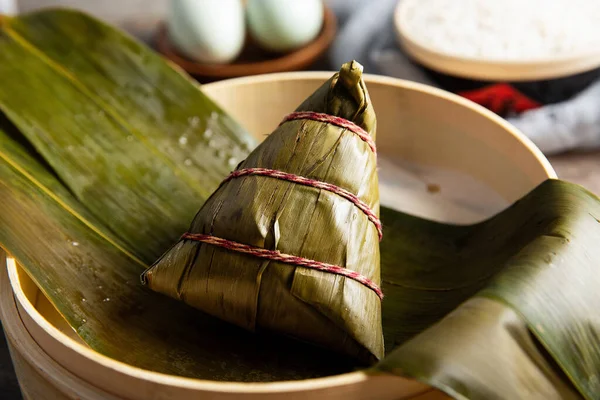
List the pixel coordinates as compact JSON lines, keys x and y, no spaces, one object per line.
{"x":289,"y":242}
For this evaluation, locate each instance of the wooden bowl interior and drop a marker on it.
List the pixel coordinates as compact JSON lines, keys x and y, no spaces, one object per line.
{"x":425,"y":137}
{"x":419,"y":128}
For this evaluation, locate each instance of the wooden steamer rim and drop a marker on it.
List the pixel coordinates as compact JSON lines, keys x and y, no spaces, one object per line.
{"x":102,"y":372}
{"x":135,"y":383}
{"x":485,"y":69}
{"x":371,"y":79}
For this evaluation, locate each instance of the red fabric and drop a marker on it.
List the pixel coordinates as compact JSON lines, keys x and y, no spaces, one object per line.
{"x":501,"y":98}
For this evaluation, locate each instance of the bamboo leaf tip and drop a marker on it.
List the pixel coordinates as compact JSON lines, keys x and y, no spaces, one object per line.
{"x":351,"y":73}
{"x":144,"y":279}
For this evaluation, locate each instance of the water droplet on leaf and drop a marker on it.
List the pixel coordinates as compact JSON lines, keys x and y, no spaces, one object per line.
{"x":194,"y":121}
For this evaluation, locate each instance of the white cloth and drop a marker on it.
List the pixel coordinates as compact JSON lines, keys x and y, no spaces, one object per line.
{"x":367,"y":35}
{"x":8,"y":7}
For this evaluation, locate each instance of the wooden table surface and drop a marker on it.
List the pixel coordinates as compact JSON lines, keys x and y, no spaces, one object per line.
{"x":580,"y":168}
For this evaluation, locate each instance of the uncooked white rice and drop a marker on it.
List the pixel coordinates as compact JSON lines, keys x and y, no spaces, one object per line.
{"x":506,"y":29}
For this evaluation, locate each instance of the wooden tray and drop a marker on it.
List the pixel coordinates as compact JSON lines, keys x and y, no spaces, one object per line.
{"x":254,"y":60}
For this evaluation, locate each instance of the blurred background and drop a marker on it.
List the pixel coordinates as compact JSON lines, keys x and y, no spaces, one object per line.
{"x":535,"y":63}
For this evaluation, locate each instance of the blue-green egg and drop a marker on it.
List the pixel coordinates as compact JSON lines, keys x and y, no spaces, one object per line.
{"x":208,"y":31}
{"x":284,"y":25}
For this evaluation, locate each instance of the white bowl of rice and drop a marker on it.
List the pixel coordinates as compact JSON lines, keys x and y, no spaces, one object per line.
{"x":501,"y":40}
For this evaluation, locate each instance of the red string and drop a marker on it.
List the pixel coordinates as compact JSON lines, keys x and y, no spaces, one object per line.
{"x":338,"y":121}
{"x":276,"y":255}
{"x":312,"y":183}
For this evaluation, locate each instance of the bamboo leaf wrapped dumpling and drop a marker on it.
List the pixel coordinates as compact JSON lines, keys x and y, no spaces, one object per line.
{"x":289,"y":242}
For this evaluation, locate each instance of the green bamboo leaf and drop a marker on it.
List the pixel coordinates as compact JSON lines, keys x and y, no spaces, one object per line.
{"x":536,"y":261}
{"x":481,"y":351}
{"x":20,"y":156}
{"x":125,"y":156}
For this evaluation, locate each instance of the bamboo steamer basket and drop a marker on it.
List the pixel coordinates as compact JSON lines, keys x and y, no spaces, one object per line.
{"x":416,"y":124}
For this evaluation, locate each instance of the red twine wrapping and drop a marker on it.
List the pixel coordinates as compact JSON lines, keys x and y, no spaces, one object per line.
{"x":276,"y":255}
{"x":337,"y":121}
{"x":312,"y":183}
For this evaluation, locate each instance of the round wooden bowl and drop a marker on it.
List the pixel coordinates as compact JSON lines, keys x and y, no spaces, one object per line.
{"x":425,"y":136}
{"x":253,"y":60}
{"x":488,"y":69}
